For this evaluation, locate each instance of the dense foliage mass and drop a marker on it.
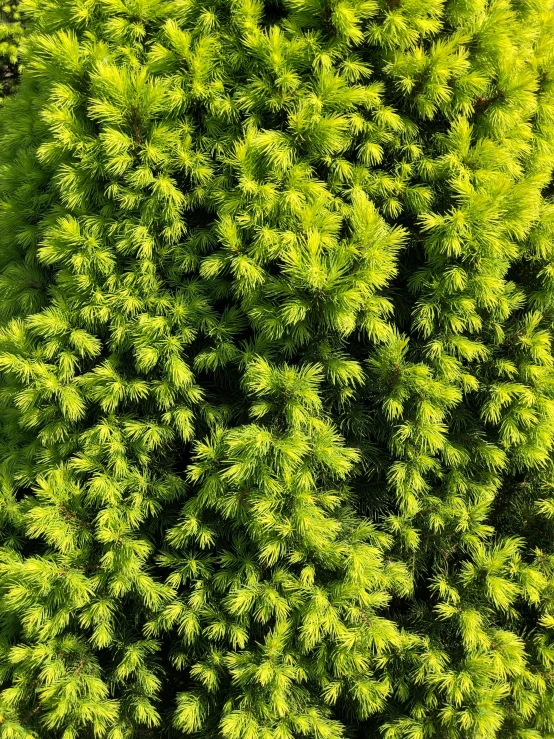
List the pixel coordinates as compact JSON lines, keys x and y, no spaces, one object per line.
{"x":277,"y":399}
{"x":11,"y":32}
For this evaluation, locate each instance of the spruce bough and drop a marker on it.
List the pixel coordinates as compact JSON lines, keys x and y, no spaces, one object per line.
{"x":277,"y":397}
{"x":11,"y":32}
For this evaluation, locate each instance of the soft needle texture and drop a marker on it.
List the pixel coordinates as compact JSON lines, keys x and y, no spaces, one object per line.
{"x":11,"y":32}
{"x":277,"y":395}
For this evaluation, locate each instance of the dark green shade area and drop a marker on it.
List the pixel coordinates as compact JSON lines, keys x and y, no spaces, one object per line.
{"x":11,"y":33}
{"x":276,"y":370}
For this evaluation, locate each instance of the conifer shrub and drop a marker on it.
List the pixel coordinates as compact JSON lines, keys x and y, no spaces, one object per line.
{"x":277,"y":396}
{"x":11,"y":33}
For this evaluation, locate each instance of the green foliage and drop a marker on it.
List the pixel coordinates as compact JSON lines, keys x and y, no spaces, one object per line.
{"x":277,"y":398}
{"x":11,"y":33}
